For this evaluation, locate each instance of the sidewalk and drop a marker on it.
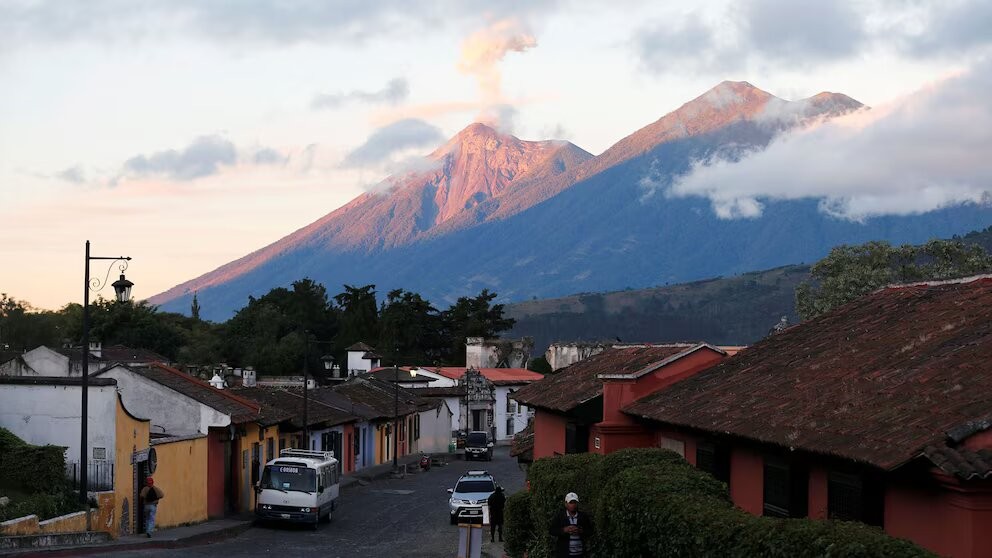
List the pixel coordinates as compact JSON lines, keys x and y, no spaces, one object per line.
{"x":177,"y":537}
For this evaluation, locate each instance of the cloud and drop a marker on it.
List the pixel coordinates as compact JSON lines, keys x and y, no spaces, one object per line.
{"x":390,"y":140}
{"x":273,"y":21}
{"x":481,"y":54}
{"x":752,"y":34}
{"x":74,"y":174}
{"x":395,"y":91}
{"x":268,"y":156}
{"x":203,"y":157}
{"x":924,"y":152}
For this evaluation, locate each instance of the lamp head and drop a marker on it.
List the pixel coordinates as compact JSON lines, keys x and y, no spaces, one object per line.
{"x":122,"y":288}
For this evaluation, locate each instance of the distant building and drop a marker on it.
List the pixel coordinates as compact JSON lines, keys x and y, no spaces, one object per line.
{"x":68,"y":363}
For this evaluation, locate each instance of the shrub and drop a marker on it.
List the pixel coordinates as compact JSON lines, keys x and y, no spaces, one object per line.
{"x":518,"y":524}
{"x":31,"y":468}
{"x":551,"y":479}
{"x":44,"y":505}
{"x":650,"y":514}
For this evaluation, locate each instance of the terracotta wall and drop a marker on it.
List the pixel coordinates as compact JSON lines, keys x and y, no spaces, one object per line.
{"x":549,"y":434}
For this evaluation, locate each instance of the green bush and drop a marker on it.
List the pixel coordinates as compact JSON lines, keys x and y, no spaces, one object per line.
{"x":30,"y":468}
{"x":550,"y":480}
{"x":518,"y":526}
{"x":44,"y":505}
{"x":700,"y":524}
{"x":651,"y":502}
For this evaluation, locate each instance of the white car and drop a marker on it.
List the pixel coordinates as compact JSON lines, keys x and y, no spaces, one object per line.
{"x":472,"y":491}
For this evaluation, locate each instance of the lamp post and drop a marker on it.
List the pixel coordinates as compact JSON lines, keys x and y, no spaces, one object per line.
{"x":122,"y":289}
{"x":328,"y":361}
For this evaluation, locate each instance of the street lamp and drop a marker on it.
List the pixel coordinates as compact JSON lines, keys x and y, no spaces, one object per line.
{"x":122,"y":289}
{"x":328,"y":361}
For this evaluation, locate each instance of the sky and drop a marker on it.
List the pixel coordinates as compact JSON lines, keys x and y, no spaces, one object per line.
{"x":188,"y":133}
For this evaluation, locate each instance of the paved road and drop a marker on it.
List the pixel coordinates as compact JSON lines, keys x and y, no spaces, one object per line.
{"x":388,"y":518}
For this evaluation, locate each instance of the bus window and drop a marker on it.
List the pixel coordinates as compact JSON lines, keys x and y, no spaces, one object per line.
{"x":282,"y":477}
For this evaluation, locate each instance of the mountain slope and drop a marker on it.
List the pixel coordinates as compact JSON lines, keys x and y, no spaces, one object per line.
{"x":567,"y":223}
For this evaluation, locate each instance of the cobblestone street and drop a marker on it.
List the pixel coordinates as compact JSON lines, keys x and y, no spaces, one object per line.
{"x":387,"y":518}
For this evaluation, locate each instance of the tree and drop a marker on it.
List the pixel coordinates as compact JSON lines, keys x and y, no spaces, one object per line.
{"x":409,"y":329}
{"x":850,"y":272}
{"x":358,"y":316}
{"x":195,"y":308}
{"x":472,"y":317}
{"x":23,"y":327}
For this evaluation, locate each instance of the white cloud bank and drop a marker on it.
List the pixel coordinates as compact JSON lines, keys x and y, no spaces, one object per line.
{"x":927,"y":151}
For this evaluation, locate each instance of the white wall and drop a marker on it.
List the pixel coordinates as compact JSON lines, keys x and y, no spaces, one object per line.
{"x":169,"y":410}
{"x":357,"y":364}
{"x":40,"y":415}
{"x":519,"y":416}
{"x":46,"y":362}
{"x":435,"y":433}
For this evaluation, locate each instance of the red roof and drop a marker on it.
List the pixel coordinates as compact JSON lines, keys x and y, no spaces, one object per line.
{"x":498,"y":376}
{"x":876,"y":381}
{"x":580,"y":382}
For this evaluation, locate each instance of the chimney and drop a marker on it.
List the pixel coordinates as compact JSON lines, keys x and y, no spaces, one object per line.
{"x":217,"y":382}
{"x":248,"y":377}
{"x":96,"y":349}
{"x":473,"y":352}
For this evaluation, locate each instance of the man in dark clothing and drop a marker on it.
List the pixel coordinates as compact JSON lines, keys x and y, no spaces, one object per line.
{"x":496,"y":504}
{"x":150,"y":496}
{"x":571,"y":529}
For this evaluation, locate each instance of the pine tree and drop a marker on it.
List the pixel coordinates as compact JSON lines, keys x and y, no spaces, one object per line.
{"x":195,"y":310}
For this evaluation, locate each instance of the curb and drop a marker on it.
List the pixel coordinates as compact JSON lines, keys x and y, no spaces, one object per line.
{"x":192,"y":540}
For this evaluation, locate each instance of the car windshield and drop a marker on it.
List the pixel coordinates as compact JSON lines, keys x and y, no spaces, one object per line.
{"x":472,"y":486}
{"x":477,"y":439}
{"x":285,"y":477}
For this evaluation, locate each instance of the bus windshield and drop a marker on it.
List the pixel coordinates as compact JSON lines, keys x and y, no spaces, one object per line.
{"x":285,"y":477}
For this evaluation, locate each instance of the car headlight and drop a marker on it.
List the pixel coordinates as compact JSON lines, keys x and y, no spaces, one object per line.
{"x":305,"y":510}
{"x":266,"y":507}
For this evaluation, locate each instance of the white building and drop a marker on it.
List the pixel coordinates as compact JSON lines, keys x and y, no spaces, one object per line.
{"x":176,"y":403}
{"x":44,"y":411}
{"x":68,"y":363}
{"x":361,"y":359}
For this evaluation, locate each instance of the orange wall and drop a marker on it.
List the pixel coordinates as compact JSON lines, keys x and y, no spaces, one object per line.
{"x":182,"y":475}
{"x":549,"y":434}
{"x":132,"y":435}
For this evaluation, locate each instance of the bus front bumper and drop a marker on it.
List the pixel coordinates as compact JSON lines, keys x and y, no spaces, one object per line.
{"x":292,"y":515}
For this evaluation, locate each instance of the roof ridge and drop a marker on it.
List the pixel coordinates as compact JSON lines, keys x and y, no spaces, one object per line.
{"x":197,"y":381}
{"x":936,"y":282}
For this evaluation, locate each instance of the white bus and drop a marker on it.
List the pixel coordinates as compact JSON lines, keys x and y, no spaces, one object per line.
{"x":300,"y":486}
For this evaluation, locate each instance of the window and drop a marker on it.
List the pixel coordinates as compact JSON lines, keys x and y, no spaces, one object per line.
{"x":358,"y":444}
{"x":282,"y":444}
{"x":714,"y":459}
{"x":786,"y":488}
{"x":576,"y":438}
{"x":325,"y":442}
{"x":509,"y":426}
{"x":403,"y":431}
{"x":270,"y":449}
{"x":855,"y":497}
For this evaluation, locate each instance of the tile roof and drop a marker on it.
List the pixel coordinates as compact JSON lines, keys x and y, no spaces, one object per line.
{"x":450,"y":391}
{"x":387,"y":374}
{"x":239,"y":409}
{"x":498,"y":376}
{"x":875,"y":381}
{"x":961,"y":462}
{"x":522,"y":445}
{"x":360,"y":347}
{"x":120,"y":353}
{"x":290,"y":402}
{"x":378,"y":395}
{"x":55,"y":381}
{"x":339,"y":400}
{"x":579,"y":382}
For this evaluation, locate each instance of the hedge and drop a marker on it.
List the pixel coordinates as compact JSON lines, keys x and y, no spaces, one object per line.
{"x":30,"y":468}
{"x":44,"y":505}
{"x":651,"y":502}
{"x":519,"y":530}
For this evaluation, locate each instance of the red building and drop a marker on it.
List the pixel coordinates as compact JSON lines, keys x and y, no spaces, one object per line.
{"x":578,"y":409}
{"x":879,"y":411}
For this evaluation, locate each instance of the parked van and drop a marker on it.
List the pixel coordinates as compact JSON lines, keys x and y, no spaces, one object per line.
{"x":300,"y":486}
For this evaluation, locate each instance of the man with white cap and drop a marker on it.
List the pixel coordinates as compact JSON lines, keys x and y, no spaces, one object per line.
{"x":571,"y":529}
